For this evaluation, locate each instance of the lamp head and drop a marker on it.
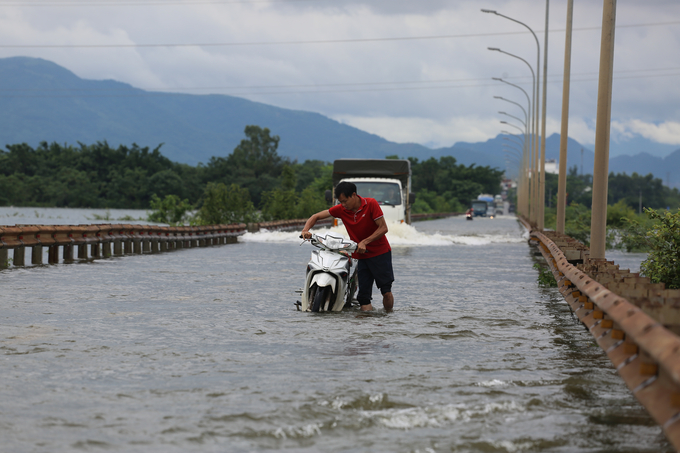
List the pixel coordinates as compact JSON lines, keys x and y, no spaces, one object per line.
{"x":497,"y":78}
{"x":496,"y":49}
{"x":490,"y":11}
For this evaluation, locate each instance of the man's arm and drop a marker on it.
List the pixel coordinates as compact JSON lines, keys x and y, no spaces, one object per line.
{"x":312,"y":221}
{"x":382,"y":229}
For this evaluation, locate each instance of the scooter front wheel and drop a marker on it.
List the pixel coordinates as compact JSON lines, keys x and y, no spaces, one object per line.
{"x":321,"y":296}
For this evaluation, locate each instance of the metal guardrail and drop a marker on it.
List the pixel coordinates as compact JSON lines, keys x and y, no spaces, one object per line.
{"x":105,"y":240}
{"x":644,"y":352}
{"x":434,"y":215}
{"x":87,"y":242}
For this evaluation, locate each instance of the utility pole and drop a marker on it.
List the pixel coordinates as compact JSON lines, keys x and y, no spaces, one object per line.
{"x":598,"y":224}
{"x":564,"y":134}
{"x":541,"y":181}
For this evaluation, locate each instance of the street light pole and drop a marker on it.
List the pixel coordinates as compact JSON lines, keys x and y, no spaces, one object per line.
{"x":541,"y":184}
{"x":522,"y":200}
{"x":530,"y":203}
{"x":526,"y":115}
{"x":538,"y":65}
{"x":518,"y":119}
{"x":564,"y":133}
{"x":533,"y":211}
{"x":598,"y":223}
{"x":514,"y":141}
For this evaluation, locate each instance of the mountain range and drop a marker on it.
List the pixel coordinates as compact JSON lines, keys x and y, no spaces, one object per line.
{"x":42,"y":101}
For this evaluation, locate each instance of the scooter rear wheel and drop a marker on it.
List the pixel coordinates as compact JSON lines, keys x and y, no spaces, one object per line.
{"x":351,"y":289}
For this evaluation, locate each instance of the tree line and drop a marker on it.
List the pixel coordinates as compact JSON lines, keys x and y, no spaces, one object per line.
{"x":632,"y":190}
{"x":253,"y":180}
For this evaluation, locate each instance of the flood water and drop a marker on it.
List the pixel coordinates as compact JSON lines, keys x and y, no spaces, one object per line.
{"x":203,"y":350}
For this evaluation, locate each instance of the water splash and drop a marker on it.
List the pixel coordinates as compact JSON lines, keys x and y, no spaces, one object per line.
{"x":399,"y":235}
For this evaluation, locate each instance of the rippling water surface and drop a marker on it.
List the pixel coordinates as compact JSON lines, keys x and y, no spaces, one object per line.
{"x":202,"y":350}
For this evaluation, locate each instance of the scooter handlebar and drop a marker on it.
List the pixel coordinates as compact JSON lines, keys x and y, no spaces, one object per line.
{"x":320,"y":242}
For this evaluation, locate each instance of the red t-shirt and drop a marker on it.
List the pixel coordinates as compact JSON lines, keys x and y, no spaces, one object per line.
{"x":361,"y":224}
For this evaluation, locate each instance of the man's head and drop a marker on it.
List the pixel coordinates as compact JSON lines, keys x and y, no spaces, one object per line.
{"x":346,"y":193}
{"x":345,"y":188}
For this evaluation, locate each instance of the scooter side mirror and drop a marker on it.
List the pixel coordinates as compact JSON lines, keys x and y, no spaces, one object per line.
{"x":329,"y":196}
{"x":411,"y":198}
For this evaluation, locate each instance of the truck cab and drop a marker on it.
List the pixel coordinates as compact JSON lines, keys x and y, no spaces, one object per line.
{"x":386,"y":180}
{"x":386,"y":192}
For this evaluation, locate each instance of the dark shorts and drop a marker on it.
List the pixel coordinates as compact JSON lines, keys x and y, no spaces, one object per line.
{"x":377,"y":269}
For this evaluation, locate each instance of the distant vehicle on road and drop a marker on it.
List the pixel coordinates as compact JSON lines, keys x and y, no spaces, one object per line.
{"x":479,"y":208}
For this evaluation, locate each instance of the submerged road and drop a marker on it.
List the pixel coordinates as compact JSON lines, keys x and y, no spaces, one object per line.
{"x":202,"y":350}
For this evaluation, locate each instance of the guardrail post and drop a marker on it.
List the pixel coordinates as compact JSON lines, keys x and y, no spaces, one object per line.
{"x":67,"y":252}
{"x":163,"y":241}
{"x":4,"y":259}
{"x":19,"y":256}
{"x":137,"y":240}
{"x":53,"y":254}
{"x":128,"y":242}
{"x":146,"y":241}
{"x":37,"y":254}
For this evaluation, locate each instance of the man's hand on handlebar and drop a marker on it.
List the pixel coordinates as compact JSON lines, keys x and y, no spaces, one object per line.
{"x":306,"y":235}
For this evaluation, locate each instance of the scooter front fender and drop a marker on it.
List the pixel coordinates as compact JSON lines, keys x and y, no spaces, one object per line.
{"x":323,"y":279}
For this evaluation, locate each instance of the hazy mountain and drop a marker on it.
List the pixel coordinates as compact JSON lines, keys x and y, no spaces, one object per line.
{"x":42,"y":101}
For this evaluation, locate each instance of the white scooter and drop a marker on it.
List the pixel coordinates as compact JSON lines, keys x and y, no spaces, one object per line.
{"x":331,"y":274}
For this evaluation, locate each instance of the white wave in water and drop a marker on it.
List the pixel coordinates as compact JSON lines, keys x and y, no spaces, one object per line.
{"x":296,"y":432}
{"x":438,"y":415}
{"x":399,"y":235}
{"x":493,"y":383}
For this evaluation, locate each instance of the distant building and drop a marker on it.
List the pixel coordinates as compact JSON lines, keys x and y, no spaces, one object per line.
{"x":551,"y":167}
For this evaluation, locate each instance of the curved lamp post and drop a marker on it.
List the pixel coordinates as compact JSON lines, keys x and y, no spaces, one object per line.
{"x":538,"y":65}
{"x":526,"y":115}
{"x":532,"y":146}
{"x":534,"y":160}
{"x":518,"y":119}
{"x":514,"y":141}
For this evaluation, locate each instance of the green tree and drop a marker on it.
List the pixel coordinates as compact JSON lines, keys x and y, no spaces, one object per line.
{"x":171,"y":210}
{"x":458,"y":184}
{"x":280,"y":203}
{"x":254,"y":164}
{"x":663,"y":262}
{"x":224,"y":204}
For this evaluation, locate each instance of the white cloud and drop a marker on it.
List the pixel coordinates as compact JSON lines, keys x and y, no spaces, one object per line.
{"x":442,"y":133}
{"x":355,"y":81}
{"x":667,"y":132}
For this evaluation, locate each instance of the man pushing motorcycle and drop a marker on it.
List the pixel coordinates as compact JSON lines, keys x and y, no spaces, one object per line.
{"x":366,"y":226}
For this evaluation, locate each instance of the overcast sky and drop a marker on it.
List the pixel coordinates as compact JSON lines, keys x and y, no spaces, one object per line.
{"x":359,"y":62}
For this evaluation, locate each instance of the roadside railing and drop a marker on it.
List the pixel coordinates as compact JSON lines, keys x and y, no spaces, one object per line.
{"x":434,"y":215}
{"x":70,"y":243}
{"x":73,"y":243}
{"x":634,"y":321}
{"x":87,"y":242}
